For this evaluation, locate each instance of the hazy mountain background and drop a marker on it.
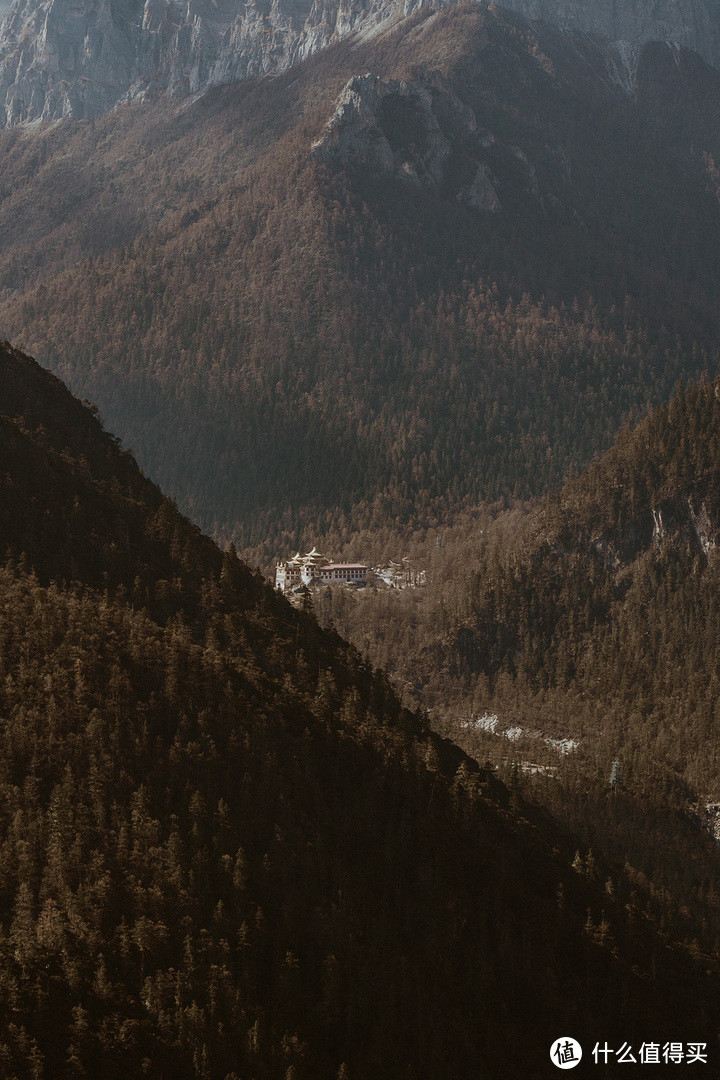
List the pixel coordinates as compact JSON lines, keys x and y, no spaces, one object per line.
{"x":499,"y":249}
{"x":59,"y":58}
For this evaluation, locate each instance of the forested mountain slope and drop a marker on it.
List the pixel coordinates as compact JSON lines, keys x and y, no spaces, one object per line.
{"x":75,"y":506}
{"x":611,"y":592}
{"x":226,"y":850}
{"x":592,"y":619}
{"x":594,"y":612}
{"x":413,"y":273}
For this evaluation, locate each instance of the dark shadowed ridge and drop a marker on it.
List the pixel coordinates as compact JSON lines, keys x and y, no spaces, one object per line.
{"x":226,"y":850}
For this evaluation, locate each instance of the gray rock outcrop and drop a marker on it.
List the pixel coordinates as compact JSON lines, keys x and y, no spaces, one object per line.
{"x":77,"y":58}
{"x":692,"y":23}
{"x":412,"y":130}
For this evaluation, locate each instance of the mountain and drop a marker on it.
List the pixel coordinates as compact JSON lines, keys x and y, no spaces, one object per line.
{"x":574,"y":645}
{"x":693,"y":25}
{"x":609,"y":592}
{"x":472,"y":218}
{"x":60,"y":59}
{"x":226,"y":848}
{"x":590,"y":616}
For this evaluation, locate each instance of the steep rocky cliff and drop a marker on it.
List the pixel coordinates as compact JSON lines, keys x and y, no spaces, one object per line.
{"x":693,"y":23}
{"x":62,"y":58}
{"x":418,"y":131}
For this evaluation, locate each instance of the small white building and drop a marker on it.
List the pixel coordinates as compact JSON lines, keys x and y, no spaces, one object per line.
{"x":349,"y":573}
{"x":312,"y":564}
{"x":288,"y":574}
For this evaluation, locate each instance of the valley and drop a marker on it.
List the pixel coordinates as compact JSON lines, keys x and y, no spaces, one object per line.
{"x":426,"y":296}
{"x":226,"y":845}
{"x":580,"y":622}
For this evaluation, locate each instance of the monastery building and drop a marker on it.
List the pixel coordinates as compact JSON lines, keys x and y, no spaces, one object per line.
{"x":315,"y":569}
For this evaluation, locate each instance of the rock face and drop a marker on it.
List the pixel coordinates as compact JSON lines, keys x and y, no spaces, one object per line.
{"x":692,"y":23}
{"x":418,"y":131}
{"x":421,"y":132}
{"x":388,"y":126}
{"x":683,"y":522}
{"x":79,"y":57}
{"x":58,"y":58}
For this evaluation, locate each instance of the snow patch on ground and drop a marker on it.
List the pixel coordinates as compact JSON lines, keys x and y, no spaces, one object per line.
{"x":563,"y":746}
{"x":489,"y":722}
